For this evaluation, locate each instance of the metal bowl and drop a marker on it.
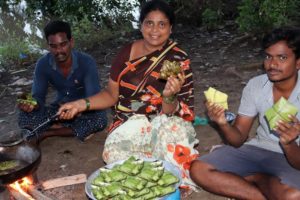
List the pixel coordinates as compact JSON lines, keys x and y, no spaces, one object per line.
{"x":168,"y":166}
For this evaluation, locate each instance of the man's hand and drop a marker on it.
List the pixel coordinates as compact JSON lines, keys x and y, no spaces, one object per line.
{"x":26,"y":107}
{"x":288,"y":131}
{"x":26,"y":103}
{"x":216,"y":113}
{"x":71,"y":109}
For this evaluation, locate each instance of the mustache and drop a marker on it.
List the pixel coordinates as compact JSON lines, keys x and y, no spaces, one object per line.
{"x":273,"y":70}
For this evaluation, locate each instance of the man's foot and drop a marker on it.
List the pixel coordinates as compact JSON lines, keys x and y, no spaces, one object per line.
{"x":34,"y":141}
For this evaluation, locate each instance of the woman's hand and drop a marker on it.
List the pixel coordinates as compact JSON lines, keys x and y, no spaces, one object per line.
{"x":216,"y":113}
{"x":288,"y":131}
{"x":71,"y":109}
{"x":173,"y":85}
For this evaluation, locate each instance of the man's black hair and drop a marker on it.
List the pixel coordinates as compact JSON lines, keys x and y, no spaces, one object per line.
{"x":289,"y":34}
{"x":160,"y":5}
{"x":57,"y":26}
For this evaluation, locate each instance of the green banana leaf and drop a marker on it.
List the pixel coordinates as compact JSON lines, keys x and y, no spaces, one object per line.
{"x":280,"y":111}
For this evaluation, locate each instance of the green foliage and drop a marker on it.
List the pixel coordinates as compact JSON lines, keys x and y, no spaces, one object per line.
{"x":211,"y":18}
{"x":113,"y":12}
{"x":15,"y":45}
{"x":101,"y":12}
{"x":92,"y":21}
{"x":15,"y":50}
{"x":87,"y":34}
{"x":187,"y":12}
{"x":258,"y":16}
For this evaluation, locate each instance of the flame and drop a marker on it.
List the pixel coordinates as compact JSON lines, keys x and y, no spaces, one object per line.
{"x":22,"y":186}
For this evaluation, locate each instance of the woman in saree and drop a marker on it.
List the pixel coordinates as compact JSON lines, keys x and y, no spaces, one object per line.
{"x":152,"y":116}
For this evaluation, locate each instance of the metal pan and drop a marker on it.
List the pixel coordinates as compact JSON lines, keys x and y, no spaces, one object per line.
{"x":27,"y":158}
{"x":11,"y":138}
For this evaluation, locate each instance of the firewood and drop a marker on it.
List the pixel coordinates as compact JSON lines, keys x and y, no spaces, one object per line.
{"x":17,"y":195}
{"x":37,"y":194}
{"x":64,"y":181}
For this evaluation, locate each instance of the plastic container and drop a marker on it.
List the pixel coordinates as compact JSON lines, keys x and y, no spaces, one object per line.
{"x":174,"y":196}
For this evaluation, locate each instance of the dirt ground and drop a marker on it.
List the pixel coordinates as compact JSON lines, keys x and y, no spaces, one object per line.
{"x":224,"y":59}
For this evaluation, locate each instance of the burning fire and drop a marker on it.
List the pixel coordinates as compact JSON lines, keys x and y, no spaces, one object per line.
{"x":22,"y":186}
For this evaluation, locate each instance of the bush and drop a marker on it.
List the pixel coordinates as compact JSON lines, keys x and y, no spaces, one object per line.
{"x":16,"y":48}
{"x":187,"y":12}
{"x":258,"y":16}
{"x":211,"y":18}
{"x":92,"y":21}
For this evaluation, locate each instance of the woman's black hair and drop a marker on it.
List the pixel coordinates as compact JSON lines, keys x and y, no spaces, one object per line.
{"x":289,"y":34}
{"x":160,"y":5}
{"x":57,"y":26}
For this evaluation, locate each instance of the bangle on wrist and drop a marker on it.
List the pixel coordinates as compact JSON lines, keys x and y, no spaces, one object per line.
{"x":87,"y":104}
{"x":170,"y":99}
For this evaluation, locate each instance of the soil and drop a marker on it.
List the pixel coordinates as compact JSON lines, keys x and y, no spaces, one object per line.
{"x":223,"y":58}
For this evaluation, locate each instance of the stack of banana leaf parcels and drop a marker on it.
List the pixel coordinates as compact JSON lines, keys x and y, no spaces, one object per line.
{"x":134,"y":179}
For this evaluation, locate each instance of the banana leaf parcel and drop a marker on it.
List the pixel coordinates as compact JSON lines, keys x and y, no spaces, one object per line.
{"x":280,"y":111}
{"x":216,"y":97}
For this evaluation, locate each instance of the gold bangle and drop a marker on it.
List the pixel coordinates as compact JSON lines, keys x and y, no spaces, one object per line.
{"x":87,"y":104}
{"x":170,"y":99}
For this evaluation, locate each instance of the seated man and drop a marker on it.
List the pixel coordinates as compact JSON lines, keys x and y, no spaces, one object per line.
{"x":267,"y":166}
{"x":74,"y":76}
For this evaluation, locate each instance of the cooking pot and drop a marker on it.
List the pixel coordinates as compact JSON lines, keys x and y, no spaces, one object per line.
{"x":26,"y":158}
{"x":15,"y":149}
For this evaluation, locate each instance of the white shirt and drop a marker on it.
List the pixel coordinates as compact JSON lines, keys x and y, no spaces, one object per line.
{"x":256,"y":99}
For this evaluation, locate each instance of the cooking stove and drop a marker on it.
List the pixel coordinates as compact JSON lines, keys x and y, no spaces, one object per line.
{"x":4,"y":193}
{"x":7,"y":193}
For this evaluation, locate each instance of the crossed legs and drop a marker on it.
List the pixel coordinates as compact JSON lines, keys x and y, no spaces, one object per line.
{"x":255,"y":187}
{"x":224,"y":184}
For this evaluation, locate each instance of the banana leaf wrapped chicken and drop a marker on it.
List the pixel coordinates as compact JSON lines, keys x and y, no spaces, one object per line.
{"x":151,"y":173}
{"x":151,"y":184}
{"x":280,"y":111}
{"x":122,"y":197}
{"x":167,"y":179}
{"x":97,"y":193}
{"x":217,"y":97}
{"x":135,"y":194}
{"x":112,"y":189}
{"x":150,"y":195}
{"x":27,"y":99}
{"x":160,"y":191}
{"x":131,"y":166}
{"x":99,"y":180}
{"x":134,"y":183}
{"x":112,"y":175}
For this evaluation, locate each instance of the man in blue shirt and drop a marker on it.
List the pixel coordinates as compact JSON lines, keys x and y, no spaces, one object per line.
{"x":73,"y":75}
